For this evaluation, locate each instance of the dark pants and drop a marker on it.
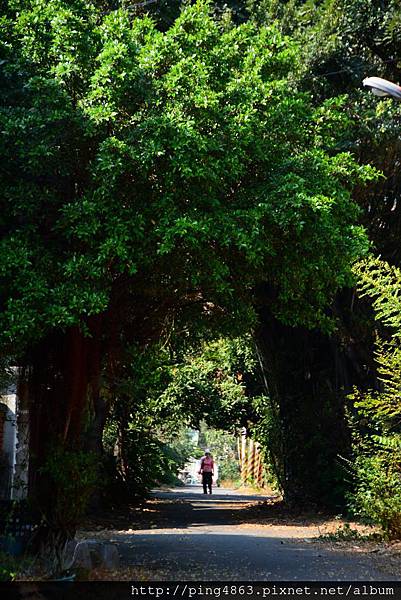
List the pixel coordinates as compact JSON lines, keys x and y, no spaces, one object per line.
{"x":207,"y":482}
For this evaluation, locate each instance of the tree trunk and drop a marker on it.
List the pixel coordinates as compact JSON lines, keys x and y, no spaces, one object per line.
{"x":308,"y":375}
{"x":64,"y":369}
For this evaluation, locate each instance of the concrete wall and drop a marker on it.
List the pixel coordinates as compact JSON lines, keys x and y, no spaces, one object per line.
{"x":15,"y":443}
{"x":8,"y":405}
{"x":21,"y":469}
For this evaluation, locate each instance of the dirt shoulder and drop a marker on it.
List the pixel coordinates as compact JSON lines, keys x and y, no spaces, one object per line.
{"x":267,"y":518}
{"x":326,"y":531}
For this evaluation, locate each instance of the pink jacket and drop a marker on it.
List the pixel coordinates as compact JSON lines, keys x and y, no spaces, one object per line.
{"x":206,"y":464}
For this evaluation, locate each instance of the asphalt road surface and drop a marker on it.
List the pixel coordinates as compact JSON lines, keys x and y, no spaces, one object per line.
{"x":190,"y":536}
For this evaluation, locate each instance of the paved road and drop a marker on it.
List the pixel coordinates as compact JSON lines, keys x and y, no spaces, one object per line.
{"x":190,"y":536}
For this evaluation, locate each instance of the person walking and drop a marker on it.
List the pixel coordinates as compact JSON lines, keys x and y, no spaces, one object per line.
{"x":207,"y":471}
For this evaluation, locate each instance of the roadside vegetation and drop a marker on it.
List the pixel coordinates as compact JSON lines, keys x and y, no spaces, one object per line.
{"x":200,"y":226}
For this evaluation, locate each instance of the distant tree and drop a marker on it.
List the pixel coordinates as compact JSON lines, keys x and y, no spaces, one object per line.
{"x":162,"y":390}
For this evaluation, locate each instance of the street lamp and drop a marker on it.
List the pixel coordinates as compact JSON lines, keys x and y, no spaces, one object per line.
{"x":382,"y":87}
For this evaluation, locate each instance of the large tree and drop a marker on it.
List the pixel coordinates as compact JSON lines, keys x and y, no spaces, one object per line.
{"x":341,"y":42}
{"x":148,"y":174}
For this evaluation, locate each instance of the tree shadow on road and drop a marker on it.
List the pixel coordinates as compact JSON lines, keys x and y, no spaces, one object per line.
{"x":166,"y":510}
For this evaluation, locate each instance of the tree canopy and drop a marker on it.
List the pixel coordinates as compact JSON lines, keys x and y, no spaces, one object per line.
{"x":178,"y":165}
{"x":174,"y":174}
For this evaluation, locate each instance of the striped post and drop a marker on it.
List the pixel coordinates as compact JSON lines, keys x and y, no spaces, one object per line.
{"x":243,"y":456}
{"x":259,"y":476}
{"x":250,"y":459}
{"x":255,"y":474}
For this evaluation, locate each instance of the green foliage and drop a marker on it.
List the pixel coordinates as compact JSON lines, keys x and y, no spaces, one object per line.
{"x":339,"y":37}
{"x":223,"y":446}
{"x":179,"y":160}
{"x":74,"y":476}
{"x":382,"y":282}
{"x":179,"y":448}
{"x":157,"y":177}
{"x":161,"y":393}
{"x":165,"y":12}
{"x":210,"y":384}
{"x":340,"y":42}
{"x":376,"y":423}
{"x":145,"y":440}
{"x":268,"y":432}
{"x":377,"y":494}
{"x":9,"y":566}
{"x":346,"y":533}
{"x":143,"y":460}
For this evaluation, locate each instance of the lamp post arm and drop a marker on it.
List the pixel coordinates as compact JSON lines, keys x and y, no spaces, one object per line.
{"x":382,"y":87}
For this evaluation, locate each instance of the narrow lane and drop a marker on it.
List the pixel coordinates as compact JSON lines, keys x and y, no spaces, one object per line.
{"x":190,"y":536}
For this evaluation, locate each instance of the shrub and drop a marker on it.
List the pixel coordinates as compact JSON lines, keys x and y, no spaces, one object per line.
{"x":375,"y":415}
{"x":377,"y":495}
{"x":8,"y":567}
{"x":74,"y":475}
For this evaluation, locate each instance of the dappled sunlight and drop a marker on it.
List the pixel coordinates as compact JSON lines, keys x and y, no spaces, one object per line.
{"x":227,"y":514}
{"x":231,"y":537}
